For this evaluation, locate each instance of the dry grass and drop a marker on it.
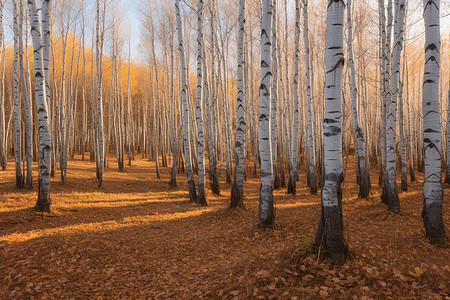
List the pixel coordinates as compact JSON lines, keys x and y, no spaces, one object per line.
{"x":138,"y":238}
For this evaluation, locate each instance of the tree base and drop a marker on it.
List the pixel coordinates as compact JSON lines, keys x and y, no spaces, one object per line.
{"x":236,"y":199}
{"x":192,"y":190}
{"x":330,"y":235}
{"x":266,"y":212}
{"x":276,"y":182}
{"x":201,"y":197}
{"x":364,"y":186}
{"x":434,"y":224}
{"x":291,"y":185}
{"x":215,"y":189}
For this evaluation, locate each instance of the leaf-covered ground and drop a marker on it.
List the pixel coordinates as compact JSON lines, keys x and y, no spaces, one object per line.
{"x":138,"y":238}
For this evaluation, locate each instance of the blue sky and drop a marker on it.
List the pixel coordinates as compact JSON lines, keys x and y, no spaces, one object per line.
{"x":131,"y":8}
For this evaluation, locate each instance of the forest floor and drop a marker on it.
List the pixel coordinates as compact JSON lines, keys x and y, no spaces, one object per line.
{"x":137,"y":238}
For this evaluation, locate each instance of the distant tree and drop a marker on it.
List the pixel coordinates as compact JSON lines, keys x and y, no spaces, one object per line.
{"x":293,"y":172}
{"x":186,"y":128}
{"x":362,"y":167}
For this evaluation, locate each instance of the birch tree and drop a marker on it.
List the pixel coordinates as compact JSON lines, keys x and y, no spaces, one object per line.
{"x":293,"y":172}
{"x":273,"y":119}
{"x":186,"y":129}
{"x":100,"y":30}
{"x":43,"y":202}
{"x":311,"y":161}
{"x":3,"y":152}
{"x":447,"y":170}
{"x":266,"y":213}
{"x":17,"y":114}
{"x":331,"y":226}
{"x":362,"y":167}
{"x":432,"y":185}
{"x":201,"y":197}
{"x":392,"y":199}
{"x":237,"y":189}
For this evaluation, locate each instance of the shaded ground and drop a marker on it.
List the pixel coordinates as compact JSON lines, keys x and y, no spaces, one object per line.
{"x":137,"y":238}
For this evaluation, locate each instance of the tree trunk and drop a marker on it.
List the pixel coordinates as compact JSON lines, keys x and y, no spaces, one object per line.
{"x":17,"y":114}
{"x":201,"y":196}
{"x":311,"y":160}
{"x":432,"y":185}
{"x":266,"y":213}
{"x":186,"y":129}
{"x":43,"y":202}
{"x":276,"y":177}
{"x":358,"y":133}
{"x":392,"y":200}
{"x":331,"y":227}
{"x":237,"y":190}
{"x":293,"y":172}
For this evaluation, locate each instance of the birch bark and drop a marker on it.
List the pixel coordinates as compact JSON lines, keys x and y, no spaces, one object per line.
{"x":266,"y":213}
{"x":432,"y":185}
{"x":237,"y":190}
{"x":45,"y":147}
{"x":186,"y":129}
{"x":331,"y":227}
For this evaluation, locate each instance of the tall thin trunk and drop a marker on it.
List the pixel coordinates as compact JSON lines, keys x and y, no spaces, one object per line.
{"x":309,"y":98}
{"x":17,"y":114}
{"x":237,"y":189}
{"x":45,"y":147}
{"x":28,"y":106}
{"x":392,"y":200}
{"x":214,"y":179}
{"x":273,"y":124}
{"x":186,"y":129}
{"x":99,"y":63}
{"x":331,"y":227}
{"x":432,"y":185}
{"x":266,"y":213}
{"x":293,"y":172}
{"x":358,"y":133}
{"x":173,"y":114}
{"x":201,"y":197}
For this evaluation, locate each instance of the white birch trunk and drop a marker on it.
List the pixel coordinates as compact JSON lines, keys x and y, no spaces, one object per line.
{"x":28,"y":106}
{"x":293,"y":172}
{"x":17,"y":114}
{"x":211,"y":120}
{"x":237,"y":190}
{"x":311,"y":160}
{"x":99,"y":63}
{"x":392,"y":199}
{"x":266,"y":213}
{"x":201,"y":197}
{"x":186,"y":130}
{"x":276,"y":177}
{"x":432,"y":185}
{"x":43,"y":202}
{"x":358,"y":133}
{"x":331,"y":227}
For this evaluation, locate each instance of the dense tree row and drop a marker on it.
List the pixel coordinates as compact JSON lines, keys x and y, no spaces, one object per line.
{"x":197,"y":93}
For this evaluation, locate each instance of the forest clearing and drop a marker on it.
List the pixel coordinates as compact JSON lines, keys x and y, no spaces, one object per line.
{"x":138,"y":238}
{"x":250,"y":149}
